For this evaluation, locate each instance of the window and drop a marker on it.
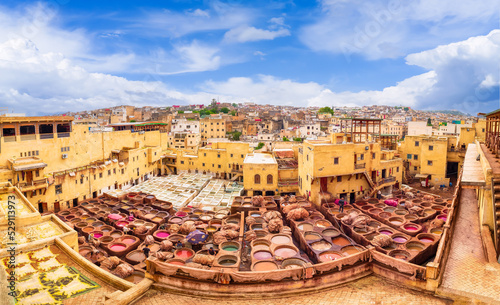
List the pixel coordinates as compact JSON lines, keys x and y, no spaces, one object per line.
{"x":76,"y":181}
{"x":429,"y":163}
{"x":397,"y":169}
{"x":307,"y":157}
{"x":269,"y":179}
{"x":373,"y":155}
{"x":256,"y":179}
{"x":37,"y":173}
{"x":231,"y":155}
{"x":218,"y":156}
{"x":218,"y":166}
{"x":109,"y":172}
{"x":415,"y":157}
{"x":94,"y":177}
{"x":204,"y":154}
{"x":361,"y":156}
{"x":203,"y":164}
{"x":81,"y":180}
{"x":182,"y":162}
{"x":114,"y":171}
{"x":336,"y":160}
{"x":339,"y":178}
{"x":242,"y":156}
{"x":415,"y":168}
{"x":417,"y":143}
{"x":431,"y":147}
{"x":408,"y":156}
{"x":100,"y":175}
{"x":123,"y":171}
{"x":58,"y":189}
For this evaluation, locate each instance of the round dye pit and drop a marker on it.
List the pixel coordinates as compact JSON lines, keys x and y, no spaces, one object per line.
{"x":397,"y":221}
{"x":211,"y":229}
{"x":176,"y":262}
{"x":227,"y":260}
{"x":121,"y":223}
{"x":183,"y":253}
{"x":329,"y":256}
{"x":136,"y":256}
{"x":280,"y":239}
{"x":426,"y":238}
{"x":162,"y":234}
{"x":399,"y":239}
{"x":117,"y":247}
{"x":437,"y":231}
{"x":230,"y":246}
{"x":340,"y":241}
{"x":128,"y":240}
{"x":305,"y":226}
{"x":321,"y":245}
{"x":350,"y":250}
{"x":322,"y":224}
{"x":414,"y":246}
{"x":97,"y":234}
{"x":312,"y":236}
{"x":411,"y":227}
{"x":261,"y":255}
{"x":385,"y":231}
{"x":442,"y":217}
{"x":400,"y":254}
{"x":331,"y":233}
{"x":285,"y":252}
{"x":384,"y":215}
{"x":265,"y":266}
{"x":291,"y":263}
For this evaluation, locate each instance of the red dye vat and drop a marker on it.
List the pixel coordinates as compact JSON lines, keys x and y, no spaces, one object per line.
{"x":162,"y":234}
{"x":426,"y":240}
{"x":411,"y":228}
{"x":117,"y":247}
{"x":442,"y":217}
{"x":121,"y":223}
{"x":183,"y":254}
{"x":399,"y":239}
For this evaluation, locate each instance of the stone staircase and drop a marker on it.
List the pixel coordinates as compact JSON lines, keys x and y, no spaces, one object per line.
{"x":496,"y":198}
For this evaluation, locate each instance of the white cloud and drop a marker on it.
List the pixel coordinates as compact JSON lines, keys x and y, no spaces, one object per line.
{"x":393,"y":28}
{"x":249,"y":33}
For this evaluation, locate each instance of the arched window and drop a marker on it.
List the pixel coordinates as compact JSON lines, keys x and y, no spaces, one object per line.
{"x":269,"y":179}
{"x":256,"y":179}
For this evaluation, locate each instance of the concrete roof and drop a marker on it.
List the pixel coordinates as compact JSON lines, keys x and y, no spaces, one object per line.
{"x":259,"y":158}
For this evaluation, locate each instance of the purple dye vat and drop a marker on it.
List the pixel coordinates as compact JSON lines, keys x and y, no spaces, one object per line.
{"x":399,"y":239}
{"x":386,"y":232}
{"x":260,"y":255}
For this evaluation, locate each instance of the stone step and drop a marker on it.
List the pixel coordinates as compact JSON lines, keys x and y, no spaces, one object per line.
{"x":497,"y":196}
{"x":496,"y":187}
{"x":496,"y":180}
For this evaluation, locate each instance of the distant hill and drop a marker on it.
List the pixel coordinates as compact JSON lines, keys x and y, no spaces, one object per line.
{"x":452,"y":112}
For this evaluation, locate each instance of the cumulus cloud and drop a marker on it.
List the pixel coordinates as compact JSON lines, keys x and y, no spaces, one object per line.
{"x":250,"y":33}
{"x":37,"y":83}
{"x":393,"y":28}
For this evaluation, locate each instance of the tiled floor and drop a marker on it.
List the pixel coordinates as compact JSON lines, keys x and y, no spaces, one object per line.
{"x":368,"y":290}
{"x":467,"y":273}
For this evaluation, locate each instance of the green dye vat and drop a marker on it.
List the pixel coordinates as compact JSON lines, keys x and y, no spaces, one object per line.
{"x":230,"y":248}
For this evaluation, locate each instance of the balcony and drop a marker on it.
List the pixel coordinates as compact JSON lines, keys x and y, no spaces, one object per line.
{"x":63,"y":134}
{"x":9,"y":139}
{"x":44,"y":136}
{"x":33,"y":185}
{"x":387,"y":180}
{"x":292,"y":182}
{"x":28,"y":137}
{"x":359,"y":166}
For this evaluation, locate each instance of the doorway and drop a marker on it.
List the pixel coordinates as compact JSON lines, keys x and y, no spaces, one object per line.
{"x":94,"y":194}
{"x":383,"y":173}
{"x":75,"y":202}
{"x":374,"y":176}
{"x":57,"y":206}
{"x":29,"y":176}
{"x":452,"y":172}
{"x":269,"y":193}
{"x":41,"y":207}
{"x":352,"y":197}
{"x":323,"y":184}
{"x":257,"y":193}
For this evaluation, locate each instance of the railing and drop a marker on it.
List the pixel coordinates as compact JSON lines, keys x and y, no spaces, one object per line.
{"x":33,"y":185}
{"x":28,"y":137}
{"x":294,"y":182}
{"x":359,"y":166}
{"x":387,"y":180}
{"x":46,"y":136}
{"x":63,"y":134}
{"x":457,"y":149}
{"x":9,"y":139}
{"x":124,"y":160}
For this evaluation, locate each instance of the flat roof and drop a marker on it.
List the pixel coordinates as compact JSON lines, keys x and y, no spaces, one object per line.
{"x":259,"y":158}
{"x":472,"y":170}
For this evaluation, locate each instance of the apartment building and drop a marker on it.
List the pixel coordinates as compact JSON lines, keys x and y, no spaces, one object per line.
{"x":212,"y":127}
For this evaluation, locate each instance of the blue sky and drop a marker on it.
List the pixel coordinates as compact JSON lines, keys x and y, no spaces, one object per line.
{"x":64,"y":55}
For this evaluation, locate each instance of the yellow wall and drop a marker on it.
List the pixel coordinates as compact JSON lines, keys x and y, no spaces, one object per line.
{"x":264,"y":170}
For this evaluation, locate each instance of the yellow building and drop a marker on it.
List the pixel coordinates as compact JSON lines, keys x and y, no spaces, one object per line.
{"x":329,"y":170}
{"x":212,"y":127}
{"x":221,"y":159}
{"x":56,"y":164}
{"x":260,"y":174}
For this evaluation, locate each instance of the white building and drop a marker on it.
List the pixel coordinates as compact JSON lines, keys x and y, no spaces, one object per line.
{"x":419,"y":128}
{"x":185,"y":125}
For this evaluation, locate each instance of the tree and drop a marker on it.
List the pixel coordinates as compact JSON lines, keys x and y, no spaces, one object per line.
{"x":180,"y":111}
{"x":224,"y":109}
{"x":259,"y":146}
{"x":285,"y":139}
{"x":233,"y":113}
{"x":236,"y":136}
{"x":133,"y":121}
{"x":297,"y":139}
{"x":429,"y":123}
{"x":235,"y":105}
{"x":326,"y":110}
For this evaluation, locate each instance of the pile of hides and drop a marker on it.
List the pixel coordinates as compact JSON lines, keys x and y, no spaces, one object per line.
{"x":416,"y":210}
{"x":437,"y":223}
{"x":224,"y":235}
{"x":275,"y":225}
{"x":123,"y":270}
{"x":292,"y":199}
{"x":392,"y":203}
{"x":250,"y":235}
{"x":349,"y":218}
{"x":166,"y":245}
{"x":140,"y":230}
{"x":174,"y":228}
{"x":204,"y":259}
{"x":428,"y":197}
{"x":257,"y":201}
{"x":230,"y":226}
{"x":250,"y":220}
{"x":110,"y":262}
{"x":163,"y":255}
{"x":382,"y":240}
{"x":149,"y":240}
{"x":290,"y":207}
{"x":187,"y":227}
{"x":297,"y":214}
{"x":268,"y":216}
